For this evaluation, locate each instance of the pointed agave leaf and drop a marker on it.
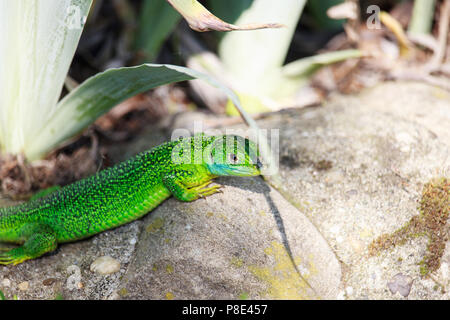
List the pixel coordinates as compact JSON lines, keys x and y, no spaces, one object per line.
{"x":200,"y":19}
{"x":99,"y":94}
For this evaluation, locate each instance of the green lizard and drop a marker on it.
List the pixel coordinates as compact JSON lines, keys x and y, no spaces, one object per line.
{"x":115,"y":196}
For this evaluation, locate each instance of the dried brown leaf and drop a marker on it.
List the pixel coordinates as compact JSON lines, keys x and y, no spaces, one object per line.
{"x":201,"y":20}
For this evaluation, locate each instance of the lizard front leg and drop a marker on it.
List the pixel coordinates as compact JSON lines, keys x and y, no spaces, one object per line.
{"x":186,"y":190}
{"x":39,"y":239}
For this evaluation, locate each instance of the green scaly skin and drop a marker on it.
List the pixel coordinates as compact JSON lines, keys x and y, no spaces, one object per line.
{"x":123,"y":193}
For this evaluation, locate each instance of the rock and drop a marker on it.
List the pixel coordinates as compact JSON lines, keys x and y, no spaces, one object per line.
{"x":229,"y":244}
{"x":49,"y":281}
{"x":387,"y":142}
{"x":23,"y":286}
{"x":105,"y":265}
{"x":401,"y":284}
{"x":353,"y":169}
{"x":70,"y":266}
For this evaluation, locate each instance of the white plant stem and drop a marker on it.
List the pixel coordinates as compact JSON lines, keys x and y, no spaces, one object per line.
{"x":37,"y":44}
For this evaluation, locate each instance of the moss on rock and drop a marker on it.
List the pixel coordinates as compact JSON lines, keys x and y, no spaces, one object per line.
{"x":432,"y":220}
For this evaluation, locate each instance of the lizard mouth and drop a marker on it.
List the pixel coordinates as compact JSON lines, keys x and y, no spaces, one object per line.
{"x":235,"y":170}
{"x":245,"y":171}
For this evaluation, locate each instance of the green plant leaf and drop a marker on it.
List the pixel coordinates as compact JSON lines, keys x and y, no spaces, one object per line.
{"x":260,"y":53}
{"x":229,"y":10}
{"x":156,"y":22}
{"x":255,"y":71}
{"x":307,"y":66}
{"x":105,"y":90}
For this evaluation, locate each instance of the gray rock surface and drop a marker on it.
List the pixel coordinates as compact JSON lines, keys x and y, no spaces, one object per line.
{"x":230,"y":246}
{"x":354,"y":169}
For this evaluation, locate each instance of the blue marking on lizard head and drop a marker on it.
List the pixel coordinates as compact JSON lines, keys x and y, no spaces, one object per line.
{"x":232,"y":155}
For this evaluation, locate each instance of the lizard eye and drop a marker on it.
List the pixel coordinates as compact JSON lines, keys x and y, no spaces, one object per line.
{"x":233,"y":158}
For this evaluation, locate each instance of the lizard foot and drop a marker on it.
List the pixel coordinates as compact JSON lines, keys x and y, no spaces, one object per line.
{"x":203,"y":191}
{"x":185,"y":192}
{"x":40,"y":240}
{"x":3,"y":249}
{"x":13,"y":256}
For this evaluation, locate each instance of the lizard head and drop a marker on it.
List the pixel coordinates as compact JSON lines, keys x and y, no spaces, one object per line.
{"x":232,"y":155}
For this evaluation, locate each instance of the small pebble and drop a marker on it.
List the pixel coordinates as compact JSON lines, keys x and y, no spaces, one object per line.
{"x":49,"y":281}
{"x":105,"y":265}
{"x":401,"y":284}
{"x":349,"y":291}
{"x":6,"y":283}
{"x":23,"y":286}
{"x":114,"y":296}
